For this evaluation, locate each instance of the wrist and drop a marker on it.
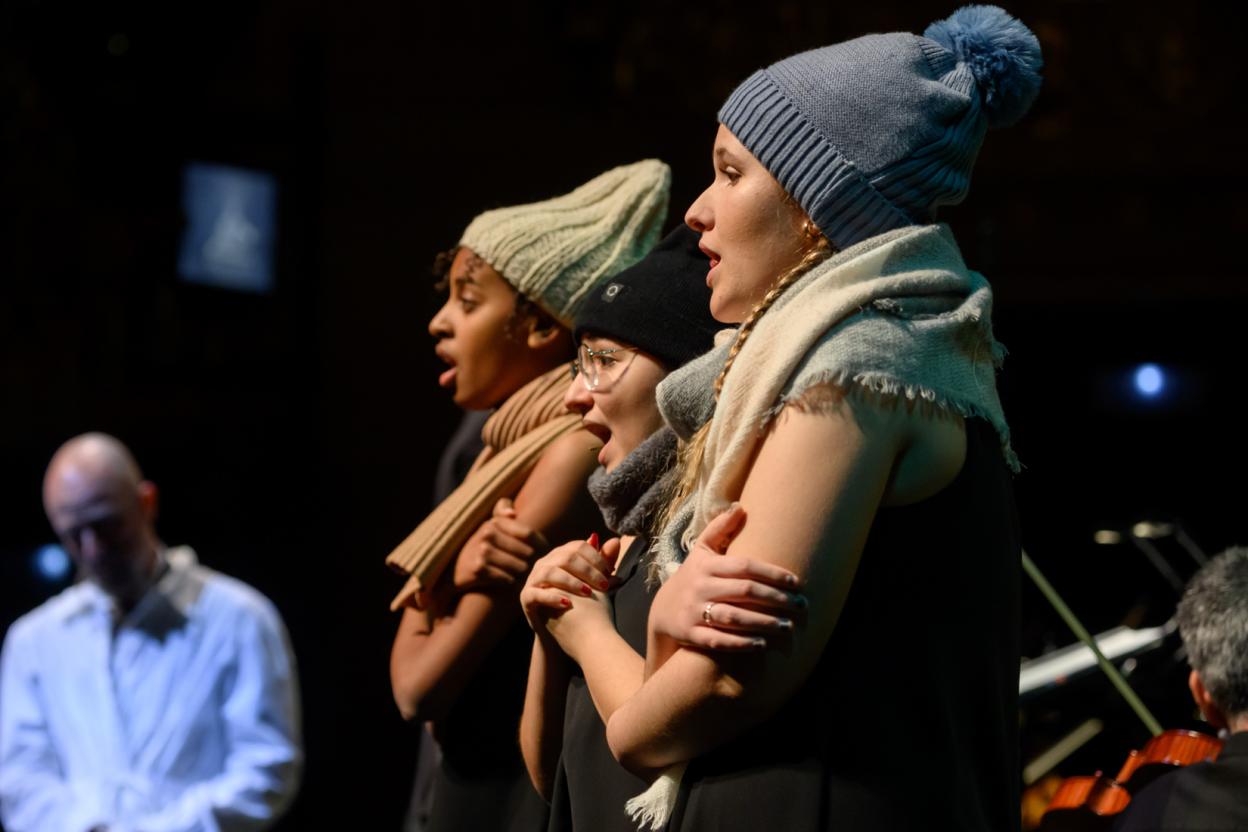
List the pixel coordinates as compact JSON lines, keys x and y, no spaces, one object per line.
{"x":587,"y":638}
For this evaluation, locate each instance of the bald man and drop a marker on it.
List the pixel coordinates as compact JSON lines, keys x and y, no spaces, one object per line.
{"x":154,"y":695}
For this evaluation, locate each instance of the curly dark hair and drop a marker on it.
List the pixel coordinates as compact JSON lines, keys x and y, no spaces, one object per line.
{"x":525,"y":316}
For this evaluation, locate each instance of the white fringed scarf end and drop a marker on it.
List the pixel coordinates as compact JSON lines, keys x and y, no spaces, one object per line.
{"x":652,"y":808}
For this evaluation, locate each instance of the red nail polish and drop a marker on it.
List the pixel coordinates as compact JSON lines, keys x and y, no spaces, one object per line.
{"x":565,"y":601}
{"x":593,"y":540}
{"x":585,"y":588}
{"x":604,"y":585}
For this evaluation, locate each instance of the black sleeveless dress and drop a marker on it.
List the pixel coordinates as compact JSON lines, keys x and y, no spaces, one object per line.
{"x":909,"y":720}
{"x":590,"y":786}
{"x":481,"y":783}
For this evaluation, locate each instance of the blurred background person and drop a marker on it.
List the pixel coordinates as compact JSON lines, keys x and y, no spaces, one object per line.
{"x":155,"y":693}
{"x":1213,"y":622}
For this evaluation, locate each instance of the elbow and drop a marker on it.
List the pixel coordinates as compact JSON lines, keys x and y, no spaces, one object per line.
{"x":418,"y":705}
{"x":626,"y":751}
{"x":408,"y":704}
{"x":645,"y":748}
{"x":542,"y":784}
{"x":416,"y":699}
{"x":637,"y":754}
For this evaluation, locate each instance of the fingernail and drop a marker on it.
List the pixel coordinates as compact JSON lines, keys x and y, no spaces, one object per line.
{"x":565,"y":601}
{"x":791,"y":580}
{"x":604,"y":585}
{"x":585,"y":589}
{"x":759,"y":642}
{"x":785,"y":623}
{"x":800,"y":601}
{"x":593,"y":540}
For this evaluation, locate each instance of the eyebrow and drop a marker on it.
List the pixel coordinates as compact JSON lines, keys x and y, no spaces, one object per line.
{"x":463,"y":279}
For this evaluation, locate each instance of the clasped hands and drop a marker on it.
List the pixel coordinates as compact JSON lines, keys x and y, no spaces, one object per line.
{"x":713,"y":601}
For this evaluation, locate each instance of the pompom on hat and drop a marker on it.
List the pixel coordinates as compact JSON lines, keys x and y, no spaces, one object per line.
{"x":555,"y":250}
{"x":877,"y":132}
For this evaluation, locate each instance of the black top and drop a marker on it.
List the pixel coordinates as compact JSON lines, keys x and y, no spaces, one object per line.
{"x":590,"y":786}
{"x":481,"y":782}
{"x":1210,"y":797}
{"x":909,"y":719}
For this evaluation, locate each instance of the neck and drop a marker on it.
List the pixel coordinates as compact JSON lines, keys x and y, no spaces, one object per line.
{"x":127,"y":599}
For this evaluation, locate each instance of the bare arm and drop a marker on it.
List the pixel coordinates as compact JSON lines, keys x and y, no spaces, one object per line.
{"x":561,"y":607}
{"x":809,"y":513}
{"x":432,"y":659}
{"x":541,"y":724}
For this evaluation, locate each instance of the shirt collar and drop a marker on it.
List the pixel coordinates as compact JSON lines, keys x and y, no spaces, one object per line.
{"x":1236,"y":745}
{"x":177,"y":587}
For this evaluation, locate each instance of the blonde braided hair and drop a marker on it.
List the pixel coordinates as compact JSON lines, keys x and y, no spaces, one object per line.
{"x":690,"y":454}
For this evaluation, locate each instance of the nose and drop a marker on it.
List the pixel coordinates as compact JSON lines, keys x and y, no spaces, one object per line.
{"x":699,"y":216}
{"x":440,"y":324}
{"x":577,"y":398}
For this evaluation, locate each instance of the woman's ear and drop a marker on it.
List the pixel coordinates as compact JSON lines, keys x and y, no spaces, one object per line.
{"x":543,"y":334}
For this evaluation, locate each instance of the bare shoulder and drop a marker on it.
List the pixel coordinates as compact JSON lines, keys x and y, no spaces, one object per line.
{"x":928,"y":442}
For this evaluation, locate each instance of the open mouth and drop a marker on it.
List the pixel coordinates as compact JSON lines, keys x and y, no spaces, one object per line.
{"x":599,"y":430}
{"x":447,"y":377}
{"x":712,"y":256}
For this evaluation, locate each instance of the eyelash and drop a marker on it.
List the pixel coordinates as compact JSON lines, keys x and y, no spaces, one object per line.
{"x":731,"y":175}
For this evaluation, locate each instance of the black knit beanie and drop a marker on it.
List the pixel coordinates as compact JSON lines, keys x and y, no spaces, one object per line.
{"x":661,"y":304}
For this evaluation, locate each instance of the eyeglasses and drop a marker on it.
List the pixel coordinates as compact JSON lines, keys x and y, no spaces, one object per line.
{"x":601,"y":368}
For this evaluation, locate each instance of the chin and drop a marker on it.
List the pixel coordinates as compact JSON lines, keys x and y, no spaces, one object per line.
{"x":467,"y":399}
{"x":724,"y":309}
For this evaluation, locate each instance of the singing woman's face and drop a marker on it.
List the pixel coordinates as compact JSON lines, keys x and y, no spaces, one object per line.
{"x":488,"y":360}
{"x":621,"y":410}
{"x":751,"y":231}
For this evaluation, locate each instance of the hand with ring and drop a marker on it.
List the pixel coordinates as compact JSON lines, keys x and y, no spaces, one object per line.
{"x":723,"y":602}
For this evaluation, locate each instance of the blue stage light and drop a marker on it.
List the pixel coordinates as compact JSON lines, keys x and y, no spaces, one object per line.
{"x":1150,"y":381}
{"x":52,"y":563}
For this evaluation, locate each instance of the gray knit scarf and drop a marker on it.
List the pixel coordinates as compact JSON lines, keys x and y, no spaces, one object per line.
{"x":631,"y":496}
{"x":897,"y":314}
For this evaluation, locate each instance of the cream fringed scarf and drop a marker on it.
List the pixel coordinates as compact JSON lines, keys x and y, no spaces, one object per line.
{"x":525,"y":425}
{"x":899,"y":314}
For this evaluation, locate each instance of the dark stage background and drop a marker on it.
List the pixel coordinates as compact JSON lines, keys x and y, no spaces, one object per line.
{"x":294,"y":434}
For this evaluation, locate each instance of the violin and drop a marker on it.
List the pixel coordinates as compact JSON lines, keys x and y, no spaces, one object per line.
{"x":1090,"y":803}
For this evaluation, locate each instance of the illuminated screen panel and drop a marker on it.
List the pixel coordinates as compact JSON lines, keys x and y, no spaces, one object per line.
{"x":230,"y":236}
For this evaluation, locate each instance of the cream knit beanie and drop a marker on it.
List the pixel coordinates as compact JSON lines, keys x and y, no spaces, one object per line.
{"x":553,"y":251}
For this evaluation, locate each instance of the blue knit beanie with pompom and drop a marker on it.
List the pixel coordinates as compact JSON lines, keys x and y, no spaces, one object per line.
{"x":875,"y":133}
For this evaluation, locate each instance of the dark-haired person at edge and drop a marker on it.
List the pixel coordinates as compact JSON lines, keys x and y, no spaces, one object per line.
{"x":857,"y":441}
{"x":1213,"y":623}
{"x":590,"y":640}
{"x":461,"y":661}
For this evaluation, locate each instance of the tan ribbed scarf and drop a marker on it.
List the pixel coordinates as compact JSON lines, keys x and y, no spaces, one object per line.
{"x":515,"y":436}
